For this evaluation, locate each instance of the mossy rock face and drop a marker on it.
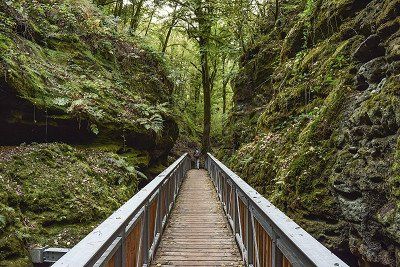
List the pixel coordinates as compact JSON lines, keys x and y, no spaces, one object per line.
{"x":54,"y":194}
{"x":323,"y":131}
{"x":69,"y":76}
{"x":99,"y":104}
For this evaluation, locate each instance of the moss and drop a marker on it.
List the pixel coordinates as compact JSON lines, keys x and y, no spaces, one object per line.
{"x":390,"y":11}
{"x":323,"y":150}
{"x":86,"y":71}
{"x":37,"y":210}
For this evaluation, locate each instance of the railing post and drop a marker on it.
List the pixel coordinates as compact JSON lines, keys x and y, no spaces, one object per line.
{"x":159,"y":211}
{"x":235,"y":214}
{"x":277,"y":256}
{"x":249,"y":235}
{"x":145,"y":237}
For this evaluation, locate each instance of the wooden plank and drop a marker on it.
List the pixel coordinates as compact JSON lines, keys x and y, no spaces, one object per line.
{"x":200,"y":263}
{"x":197,"y":233}
{"x":111,"y":262}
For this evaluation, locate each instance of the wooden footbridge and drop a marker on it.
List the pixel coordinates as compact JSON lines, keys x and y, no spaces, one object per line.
{"x":196,"y":218}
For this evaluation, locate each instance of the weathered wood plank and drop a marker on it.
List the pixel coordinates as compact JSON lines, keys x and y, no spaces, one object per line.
{"x":197,"y":233}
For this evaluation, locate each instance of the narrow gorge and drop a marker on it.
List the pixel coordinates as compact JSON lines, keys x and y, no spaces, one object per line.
{"x":300,"y":98}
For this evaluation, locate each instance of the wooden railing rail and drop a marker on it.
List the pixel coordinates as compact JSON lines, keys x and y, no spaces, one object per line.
{"x":265,"y":235}
{"x":130,"y":236}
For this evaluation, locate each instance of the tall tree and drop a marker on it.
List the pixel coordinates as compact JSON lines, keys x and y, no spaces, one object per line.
{"x":136,"y":13}
{"x":199,"y":19}
{"x":119,"y":4}
{"x":203,"y":11}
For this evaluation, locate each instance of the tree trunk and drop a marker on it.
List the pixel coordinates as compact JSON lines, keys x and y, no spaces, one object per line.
{"x":151,"y":18}
{"x":136,"y":13}
{"x":165,"y":44}
{"x":224,"y":83}
{"x":277,"y":7}
{"x":207,"y":103}
{"x":118,"y":8}
{"x":206,"y":94}
{"x":170,"y":28}
{"x":224,"y":97}
{"x":202,"y":12}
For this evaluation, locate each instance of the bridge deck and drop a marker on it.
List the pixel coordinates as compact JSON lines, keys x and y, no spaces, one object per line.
{"x":197,"y":232}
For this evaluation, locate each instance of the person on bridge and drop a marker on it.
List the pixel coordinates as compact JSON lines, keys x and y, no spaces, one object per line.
{"x":197,"y":155}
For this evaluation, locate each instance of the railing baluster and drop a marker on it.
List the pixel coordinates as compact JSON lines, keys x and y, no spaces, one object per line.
{"x":177,"y":177}
{"x":235,"y":211}
{"x":119,"y":256}
{"x":122,"y":254}
{"x":240,"y":227}
{"x":255,"y":244}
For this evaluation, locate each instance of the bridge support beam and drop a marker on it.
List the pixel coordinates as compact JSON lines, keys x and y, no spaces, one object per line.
{"x":47,"y":255}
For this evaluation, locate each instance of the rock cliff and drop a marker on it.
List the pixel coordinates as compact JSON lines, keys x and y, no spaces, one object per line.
{"x":315,"y":126}
{"x":68,"y":75}
{"x":83,"y":108}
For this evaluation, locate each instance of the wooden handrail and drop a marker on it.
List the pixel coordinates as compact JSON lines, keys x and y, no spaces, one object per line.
{"x":130,"y":236}
{"x":265,"y":235}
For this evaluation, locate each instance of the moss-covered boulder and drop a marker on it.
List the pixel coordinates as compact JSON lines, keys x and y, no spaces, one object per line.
{"x":68,"y":75}
{"x":323,"y":130}
{"x":53,"y":194}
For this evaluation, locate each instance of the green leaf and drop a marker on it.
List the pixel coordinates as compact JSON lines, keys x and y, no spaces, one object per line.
{"x":141,"y":175}
{"x":94,"y":129}
{"x":3,"y":221}
{"x":131,"y":169}
{"x":61,"y":101}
